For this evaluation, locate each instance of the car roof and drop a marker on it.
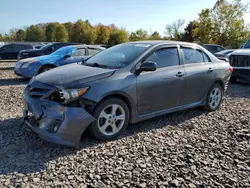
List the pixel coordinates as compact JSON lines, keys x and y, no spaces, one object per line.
{"x":211,"y":45}
{"x":91,"y":46}
{"x":158,"y":42}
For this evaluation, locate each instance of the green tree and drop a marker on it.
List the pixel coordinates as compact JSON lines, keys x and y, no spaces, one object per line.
{"x":138,"y":35}
{"x":61,"y":33}
{"x":70,"y":27}
{"x":1,"y":37}
{"x":118,"y":36}
{"x":20,"y":35}
{"x":188,"y":34}
{"x":103,"y":34}
{"x":50,"y":32}
{"x":229,"y":28}
{"x":83,"y":33}
{"x":12,"y":34}
{"x":34,"y":33}
{"x":155,"y":36}
{"x":203,"y":31}
{"x":90,"y":36}
{"x":6,"y":37}
{"x":223,"y":24}
{"x":173,"y":29}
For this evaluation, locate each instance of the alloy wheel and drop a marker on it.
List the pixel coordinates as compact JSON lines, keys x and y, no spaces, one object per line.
{"x":111,"y":119}
{"x":215,"y":98}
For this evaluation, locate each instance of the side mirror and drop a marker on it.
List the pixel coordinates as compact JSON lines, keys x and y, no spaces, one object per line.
{"x":147,"y":67}
{"x":2,"y":49}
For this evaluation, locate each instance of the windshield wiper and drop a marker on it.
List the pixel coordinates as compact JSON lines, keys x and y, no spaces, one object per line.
{"x":96,"y":65}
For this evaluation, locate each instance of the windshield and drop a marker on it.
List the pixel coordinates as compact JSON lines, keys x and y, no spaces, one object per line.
{"x":118,"y":56}
{"x":67,"y":50}
{"x":247,"y":45}
{"x":45,"y":47}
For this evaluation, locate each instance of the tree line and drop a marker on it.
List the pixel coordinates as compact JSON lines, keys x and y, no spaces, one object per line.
{"x":223,"y":24}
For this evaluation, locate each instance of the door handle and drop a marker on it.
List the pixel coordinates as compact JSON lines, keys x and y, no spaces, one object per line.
{"x":180,"y":74}
{"x":210,"y":70}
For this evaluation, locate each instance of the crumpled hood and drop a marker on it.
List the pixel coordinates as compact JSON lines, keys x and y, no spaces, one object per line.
{"x":70,"y":76}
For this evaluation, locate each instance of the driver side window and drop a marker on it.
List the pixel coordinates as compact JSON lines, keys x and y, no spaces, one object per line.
{"x":165,"y":57}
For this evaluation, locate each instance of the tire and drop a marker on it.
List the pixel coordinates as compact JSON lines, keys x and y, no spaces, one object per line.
{"x":45,"y":68}
{"x":214,"y":98}
{"x":107,"y":125}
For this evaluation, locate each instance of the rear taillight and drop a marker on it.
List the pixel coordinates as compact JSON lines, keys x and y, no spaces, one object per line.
{"x":231,"y":69}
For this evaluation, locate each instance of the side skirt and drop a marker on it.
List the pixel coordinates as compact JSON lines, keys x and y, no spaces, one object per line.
{"x":167,"y":111}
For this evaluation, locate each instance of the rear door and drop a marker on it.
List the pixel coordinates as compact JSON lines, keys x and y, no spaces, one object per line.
{"x":163,"y":88}
{"x":200,"y":73}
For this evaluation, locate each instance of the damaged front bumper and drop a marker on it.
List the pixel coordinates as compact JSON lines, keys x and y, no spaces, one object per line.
{"x":54,"y":122}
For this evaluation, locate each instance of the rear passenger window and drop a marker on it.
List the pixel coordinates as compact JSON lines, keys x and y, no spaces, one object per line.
{"x":79,"y":52}
{"x":165,"y":57}
{"x":93,"y":51}
{"x":192,"y":56}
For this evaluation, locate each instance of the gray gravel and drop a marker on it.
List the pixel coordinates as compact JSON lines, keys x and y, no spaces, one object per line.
{"x":185,"y":149}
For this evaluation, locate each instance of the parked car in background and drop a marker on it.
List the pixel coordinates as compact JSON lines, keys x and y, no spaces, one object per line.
{"x":38,"y":46}
{"x":45,"y":50}
{"x":213,"y":48}
{"x":127,"y":83}
{"x":105,"y":45}
{"x":11,"y":51}
{"x":240,"y":61}
{"x":30,"y":67}
{"x":224,"y":54}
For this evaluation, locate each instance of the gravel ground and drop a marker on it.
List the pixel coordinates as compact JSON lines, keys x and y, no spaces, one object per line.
{"x":186,"y":149}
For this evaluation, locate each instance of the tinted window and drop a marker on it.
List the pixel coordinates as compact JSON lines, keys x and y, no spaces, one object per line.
{"x":8,"y":48}
{"x":215,"y":49}
{"x":192,"y":56}
{"x":18,"y":47}
{"x":57,"y":46}
{"x":93,"y":51}
{"x":80,"y":52}
{"x":247,"y":45}
{"x":165,"y":57}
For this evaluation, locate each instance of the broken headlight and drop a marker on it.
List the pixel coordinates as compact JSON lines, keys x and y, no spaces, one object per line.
{"x":67,"y":95}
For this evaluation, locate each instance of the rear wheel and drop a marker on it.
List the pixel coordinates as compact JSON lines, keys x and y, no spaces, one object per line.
{"x":214,"y":98}
{"x":112,"y":117}
{"x":46,"y":68}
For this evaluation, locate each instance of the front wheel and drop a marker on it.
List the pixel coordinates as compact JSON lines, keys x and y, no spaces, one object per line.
{"x":45,"y":68}
{"x":214,"y":98}
{"x":112,"y":117}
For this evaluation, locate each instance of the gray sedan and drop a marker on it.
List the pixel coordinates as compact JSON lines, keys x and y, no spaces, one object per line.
{"x":124,"y":84}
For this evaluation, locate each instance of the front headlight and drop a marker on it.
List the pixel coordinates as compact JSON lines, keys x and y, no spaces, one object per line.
{"x":25,"y":65}
{"x":65,"y":95}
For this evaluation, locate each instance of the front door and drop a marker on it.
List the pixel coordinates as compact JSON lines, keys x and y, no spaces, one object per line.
{"x":163,"y":88}
{"x":76,"y":57}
